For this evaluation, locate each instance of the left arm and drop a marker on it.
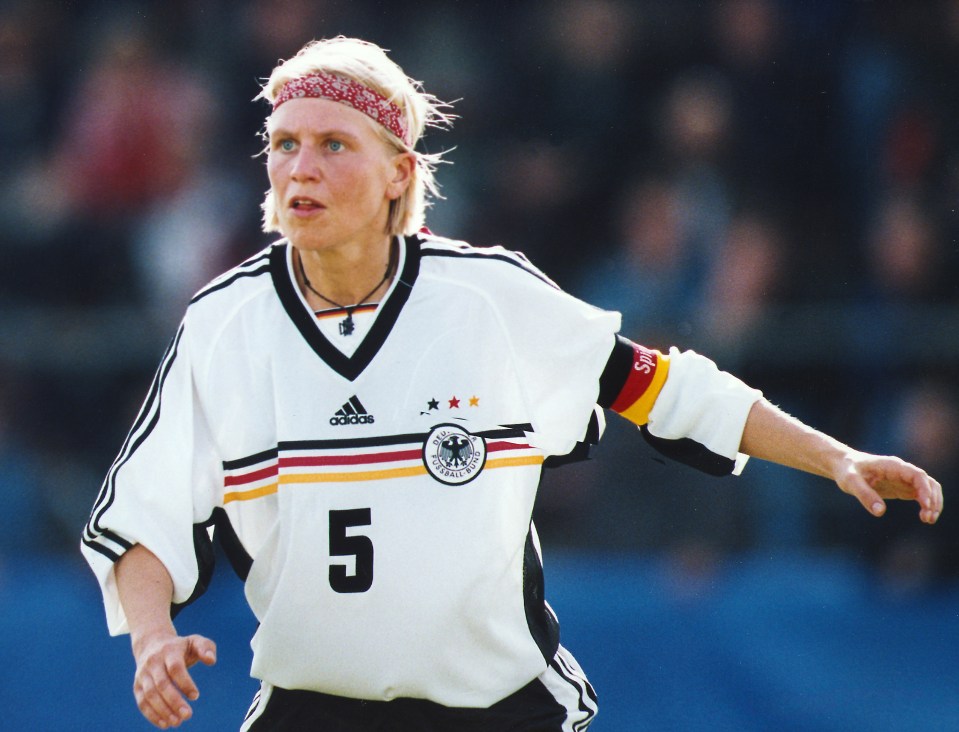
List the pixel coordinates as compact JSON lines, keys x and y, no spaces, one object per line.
{"x":684,"y":399}
{"x":771,"y":434}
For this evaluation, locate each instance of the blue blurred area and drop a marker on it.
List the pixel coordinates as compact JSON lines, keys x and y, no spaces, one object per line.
{"x":795,"y":642}
{"x":792,"y":642}
{"x":64,"y":672}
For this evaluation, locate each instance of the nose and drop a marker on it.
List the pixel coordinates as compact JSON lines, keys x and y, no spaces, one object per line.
{"x":305,"y":165}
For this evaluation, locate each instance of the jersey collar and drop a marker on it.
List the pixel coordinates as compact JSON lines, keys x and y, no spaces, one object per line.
{"x":349,"y":367}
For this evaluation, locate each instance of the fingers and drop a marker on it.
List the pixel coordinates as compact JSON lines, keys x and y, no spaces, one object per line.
{"x":866,"y":495}
{"x":876,"y":478}
{"x":919,"y":486}
{"x":159,"y":700}
{"x":163,"y":681}
{"x":201,"y":649}
{"x":930,"y":500}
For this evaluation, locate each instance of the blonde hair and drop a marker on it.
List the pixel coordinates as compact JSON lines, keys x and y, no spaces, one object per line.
{"x":368,"y":64}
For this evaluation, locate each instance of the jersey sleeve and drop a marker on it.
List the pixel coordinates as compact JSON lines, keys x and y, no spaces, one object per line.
{"x":161,"y":488}
{"x":561,"y":345}
{"x":687,"y":408}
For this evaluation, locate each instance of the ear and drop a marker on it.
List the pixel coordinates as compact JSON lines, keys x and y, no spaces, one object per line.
{"x":403,"y":166}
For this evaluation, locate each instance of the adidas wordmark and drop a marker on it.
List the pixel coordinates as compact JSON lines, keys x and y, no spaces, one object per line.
{"x":353,"y":412}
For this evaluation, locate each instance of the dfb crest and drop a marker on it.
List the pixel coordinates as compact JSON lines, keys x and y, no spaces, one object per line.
{"x":452,"y":455}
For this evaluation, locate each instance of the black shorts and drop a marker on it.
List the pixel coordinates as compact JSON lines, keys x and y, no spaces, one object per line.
{"x":561,"y":700}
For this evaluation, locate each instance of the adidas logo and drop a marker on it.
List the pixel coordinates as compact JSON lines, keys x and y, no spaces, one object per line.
{"x":351,"y":413}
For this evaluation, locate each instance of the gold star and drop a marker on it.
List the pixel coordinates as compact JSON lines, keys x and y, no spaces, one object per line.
{"x":474,"y":401}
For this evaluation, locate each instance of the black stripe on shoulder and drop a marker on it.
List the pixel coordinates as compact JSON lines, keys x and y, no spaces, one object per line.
{"x":264,"y":268}
{"x":691,"y":453}
{"x":514,"y":259}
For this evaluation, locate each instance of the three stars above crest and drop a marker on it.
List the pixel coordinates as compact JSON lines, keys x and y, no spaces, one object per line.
{"x":454,"y":402}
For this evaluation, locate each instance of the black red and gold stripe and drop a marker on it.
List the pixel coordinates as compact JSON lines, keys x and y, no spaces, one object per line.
{"x":632,"y":380}
{"x":357,"y":460}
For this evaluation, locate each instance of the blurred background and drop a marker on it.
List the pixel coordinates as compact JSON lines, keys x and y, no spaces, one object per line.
{"x":771,"y":182}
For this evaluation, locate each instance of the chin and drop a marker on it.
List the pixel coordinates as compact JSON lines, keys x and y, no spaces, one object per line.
{"x":305,"y":239}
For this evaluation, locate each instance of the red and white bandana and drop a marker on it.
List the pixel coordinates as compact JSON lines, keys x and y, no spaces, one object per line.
{"x":348,"y":92}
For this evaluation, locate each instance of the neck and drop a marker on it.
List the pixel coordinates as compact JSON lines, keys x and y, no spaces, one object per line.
{"x":344,"y":277}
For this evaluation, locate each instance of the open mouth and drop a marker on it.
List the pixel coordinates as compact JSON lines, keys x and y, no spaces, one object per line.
{"x":304,"y":204}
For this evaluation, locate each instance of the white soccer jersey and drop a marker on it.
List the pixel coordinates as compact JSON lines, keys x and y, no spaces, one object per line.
{"x":379,"y":503}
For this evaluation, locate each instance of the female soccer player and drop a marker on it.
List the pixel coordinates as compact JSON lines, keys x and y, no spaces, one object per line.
{"x":362,"y":411}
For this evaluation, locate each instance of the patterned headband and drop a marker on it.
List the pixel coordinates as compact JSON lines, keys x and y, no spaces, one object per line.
{"x":348,"y":92}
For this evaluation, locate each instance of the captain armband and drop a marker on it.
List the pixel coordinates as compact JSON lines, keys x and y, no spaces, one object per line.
{"x":632,"y":380}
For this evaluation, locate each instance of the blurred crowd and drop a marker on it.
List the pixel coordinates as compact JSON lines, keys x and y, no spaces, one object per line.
{"x":771,"y":182}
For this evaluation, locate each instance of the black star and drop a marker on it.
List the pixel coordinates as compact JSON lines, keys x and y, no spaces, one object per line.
{"x":433,"y":404}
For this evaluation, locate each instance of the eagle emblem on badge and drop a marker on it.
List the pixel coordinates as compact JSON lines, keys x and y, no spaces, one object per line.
{"x":452,"y":455}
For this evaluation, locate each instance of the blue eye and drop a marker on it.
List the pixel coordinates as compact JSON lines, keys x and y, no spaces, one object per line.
{"x":286,"y":145}
{"x":335,"y":145}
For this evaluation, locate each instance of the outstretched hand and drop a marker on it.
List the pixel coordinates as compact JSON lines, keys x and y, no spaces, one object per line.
{"x":162,"y":683}
{"x":771,"y":434}
{"x":873,"y":478}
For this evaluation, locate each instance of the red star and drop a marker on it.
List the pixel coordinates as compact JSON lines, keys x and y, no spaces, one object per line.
{"x":454,"y":403}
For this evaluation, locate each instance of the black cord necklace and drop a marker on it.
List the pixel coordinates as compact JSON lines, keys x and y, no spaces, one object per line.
{"x":347,"y":326}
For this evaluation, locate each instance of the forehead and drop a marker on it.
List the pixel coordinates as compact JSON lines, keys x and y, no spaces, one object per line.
{"x":318,"y":116}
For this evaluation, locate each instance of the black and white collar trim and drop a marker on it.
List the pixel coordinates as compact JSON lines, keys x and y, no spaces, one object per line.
{"x":349,"y":367}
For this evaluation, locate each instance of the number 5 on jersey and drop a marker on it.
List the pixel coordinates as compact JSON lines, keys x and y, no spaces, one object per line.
{"x":358,"y":546}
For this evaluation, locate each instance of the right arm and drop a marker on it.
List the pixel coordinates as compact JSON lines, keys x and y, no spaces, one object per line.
{"x":162,"y":657}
